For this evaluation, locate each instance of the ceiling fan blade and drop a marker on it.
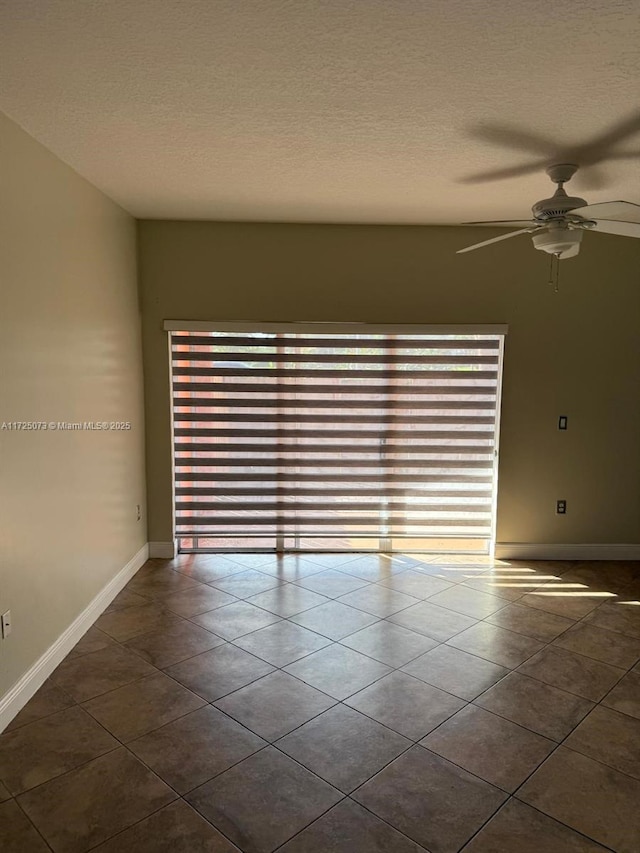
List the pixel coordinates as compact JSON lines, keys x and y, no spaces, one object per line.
{"x":598,"y":148}
{"x":512,"y":137}
{"x":502,"y":174}
{"x":626,"y":211}
{"x":623,"y":229}
{"x":515,"y":222}
{"x":495,"y":240}
{"x":592,"y":178}
{"x":625,"y":155}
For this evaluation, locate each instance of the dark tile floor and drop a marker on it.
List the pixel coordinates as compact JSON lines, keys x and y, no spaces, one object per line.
{"x":339,"y":704}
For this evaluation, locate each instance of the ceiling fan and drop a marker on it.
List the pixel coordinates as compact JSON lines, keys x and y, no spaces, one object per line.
{"x":559,"y":222}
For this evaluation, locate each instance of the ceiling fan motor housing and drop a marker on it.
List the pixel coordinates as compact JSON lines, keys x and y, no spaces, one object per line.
{"x":557,"y":206}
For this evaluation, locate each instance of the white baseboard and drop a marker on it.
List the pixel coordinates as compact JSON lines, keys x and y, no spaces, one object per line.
{"x":566,"y":551}
{"x":34,"y":678}
{"x":163,"y":550}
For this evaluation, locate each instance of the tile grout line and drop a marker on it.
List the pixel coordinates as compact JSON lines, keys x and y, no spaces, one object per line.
{"x":15,"y":800}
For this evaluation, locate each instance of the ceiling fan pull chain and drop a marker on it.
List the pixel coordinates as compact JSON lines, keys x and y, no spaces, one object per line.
{"x":554,"y":274}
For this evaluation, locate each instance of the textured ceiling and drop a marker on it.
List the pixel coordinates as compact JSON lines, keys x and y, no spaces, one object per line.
{"x":325,"y":110}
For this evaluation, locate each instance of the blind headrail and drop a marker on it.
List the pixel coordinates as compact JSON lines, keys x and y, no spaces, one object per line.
{"x":337,"y":328}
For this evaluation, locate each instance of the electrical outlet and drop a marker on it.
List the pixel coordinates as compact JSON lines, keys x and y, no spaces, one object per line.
{"x":562,"y":422}
{"x":5,"y":621}
{"x":561,"y":507}
{"x":138,"y":512}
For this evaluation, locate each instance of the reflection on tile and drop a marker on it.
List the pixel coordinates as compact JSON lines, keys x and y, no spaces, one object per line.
{"x":242,"y":801}
{"x":332,"y":583}
{"x":418,"y":793}
{"x":86,"y":806}
{"x":212,"y":570}
{"x":130,"y":621}
{"x":193,"y":749}
{"x":415,"y":583}
{"x":177,"y":828}
{"x":140,"y":707}
{"x":332,"y":560}
{"x":454,"y":574}
{"x":378,"y":600}
{"x":275,"y":705}
{"x":625,"y":696}
{"x":96,"y":673}
{"x":574,"y":673}
{"x":609,"y":737}
{"x":603,"y":804}
{"x":500,"y":585}
{"x":234,"y":620}
{"x":493,"y":748}
{"x":282,"y":643}
{"x":247,"y":583}
{"x":436,"y":622}
{"x":47,"y":748}
{"x":288,"y":599}
{"x":334,"y":620}
{"x":177,"y":642}
{"x":498,"y":645}
{"x":17,"y":834}
{"x":537,"y":706}
{"x":563,"y":604}
{"x":215,"y":673}
{"x":406,"y":705}
{"x":457,"y":672}
{"x":534,"y":623}
{"x":348,"y":828}
{"x":252,"y":561}
{"x":337,"y":671}
{"x":198,"y":599}
{"x":598,"y":643}
{"x":46,"y":701}
{"x":519,"y":827}
{"x":375,"y":567}
{"x":343,"y":747}
{"x":469,"y":602}
{"x":389,"y":643}
{"x":291,"y":568}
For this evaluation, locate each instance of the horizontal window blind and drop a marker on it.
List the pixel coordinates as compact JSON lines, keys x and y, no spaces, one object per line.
{"x":297,"y":435}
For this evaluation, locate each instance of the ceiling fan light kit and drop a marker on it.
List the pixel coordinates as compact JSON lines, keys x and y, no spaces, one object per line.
{"x":559,"y":240}
{"x":560,"y":221}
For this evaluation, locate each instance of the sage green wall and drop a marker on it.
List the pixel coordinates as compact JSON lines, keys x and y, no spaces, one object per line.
{"x":70,"y":351}
{"x":576,"y":352}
